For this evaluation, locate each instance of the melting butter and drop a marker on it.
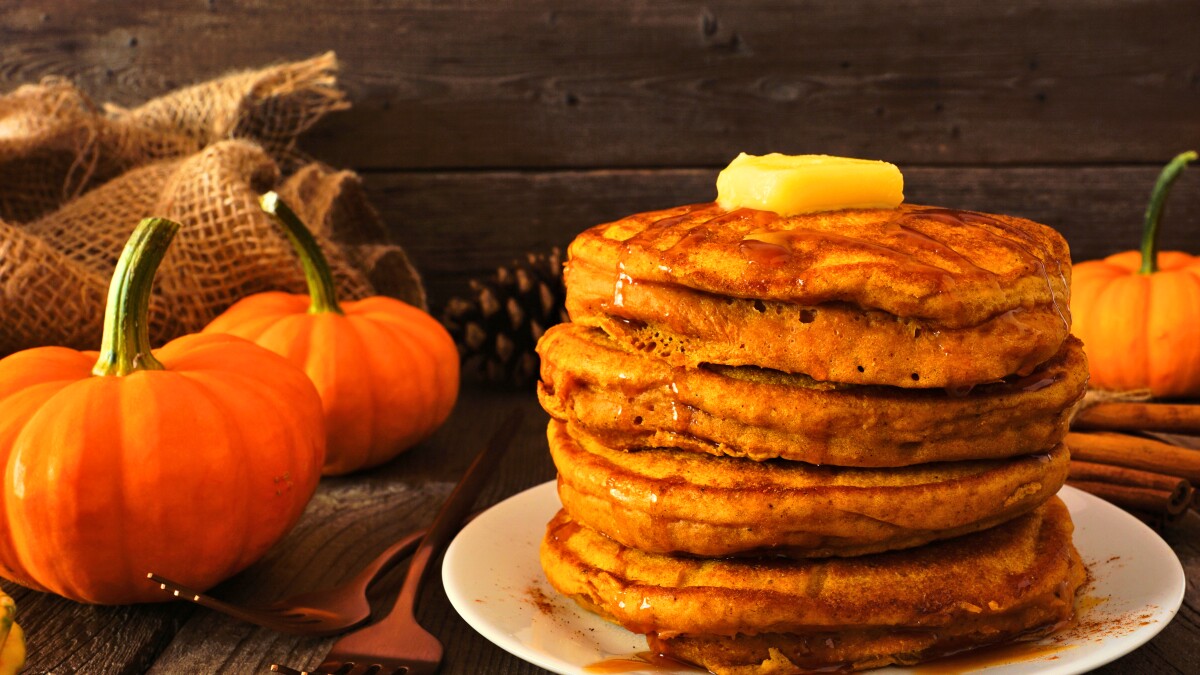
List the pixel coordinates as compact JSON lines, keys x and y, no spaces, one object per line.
{"x":793,"y":184}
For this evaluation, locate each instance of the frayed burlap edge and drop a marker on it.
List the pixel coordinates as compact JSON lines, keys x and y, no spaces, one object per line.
{"x":271,"y":106}
{"x":1095,"y":397}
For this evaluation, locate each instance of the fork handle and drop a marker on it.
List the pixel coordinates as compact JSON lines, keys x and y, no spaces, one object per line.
{"x":454,"y":511}
{"x":390,"y":556}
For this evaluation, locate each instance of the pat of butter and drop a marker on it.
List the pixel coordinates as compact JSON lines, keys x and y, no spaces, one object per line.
{"x":792,"y":184}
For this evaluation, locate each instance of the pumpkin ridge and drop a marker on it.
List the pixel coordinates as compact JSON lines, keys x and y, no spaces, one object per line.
{"x":324,"y":335}
{"x":9,"y":554}
{"x":249,"y":320}
{"x":237,"y":438}
{"x":288,"y":336}
{"x":365,"y":363}
{"x":232,"y":437}
{"x":1095,"y":325}
{"x":393,"y":357}
{"x":74,"y":398}
{"x":119,"y":503}
{"x":246,"y":385}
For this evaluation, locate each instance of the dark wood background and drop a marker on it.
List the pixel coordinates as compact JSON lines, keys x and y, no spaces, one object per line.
{"x":486,"y":128}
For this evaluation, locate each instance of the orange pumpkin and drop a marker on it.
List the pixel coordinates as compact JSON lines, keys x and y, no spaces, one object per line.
{"x":191,"y":460}
{"x":1138,"y":312}
{"x":387,"y":371}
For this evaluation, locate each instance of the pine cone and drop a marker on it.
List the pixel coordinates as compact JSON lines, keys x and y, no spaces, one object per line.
{"x":497,"y":328}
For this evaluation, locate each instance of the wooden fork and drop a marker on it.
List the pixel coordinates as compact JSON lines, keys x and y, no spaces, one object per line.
{"x":397,"y":644}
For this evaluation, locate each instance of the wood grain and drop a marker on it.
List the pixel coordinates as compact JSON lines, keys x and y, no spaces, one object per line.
{"x":486,"y":129}
{"x":457,"y":225}
{"x":66,"y":637}
{"x":349,"y":521}
{"x":629,"y":83}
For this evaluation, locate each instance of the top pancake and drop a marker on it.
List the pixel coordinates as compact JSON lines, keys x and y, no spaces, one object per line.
{"x":913,"y":297}
{"x":956,"y":268}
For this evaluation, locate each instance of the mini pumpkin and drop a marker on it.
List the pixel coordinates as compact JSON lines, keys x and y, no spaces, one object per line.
{"x":1138,"y":312}
{"x":191,"y":460}
{"x":387,"y":372}
{"x":12,"y":639}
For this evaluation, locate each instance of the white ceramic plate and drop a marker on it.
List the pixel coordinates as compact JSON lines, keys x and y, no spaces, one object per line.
{"x":493,"y":579}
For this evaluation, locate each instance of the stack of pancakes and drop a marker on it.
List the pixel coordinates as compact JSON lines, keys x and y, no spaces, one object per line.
{"x":829,"y":440}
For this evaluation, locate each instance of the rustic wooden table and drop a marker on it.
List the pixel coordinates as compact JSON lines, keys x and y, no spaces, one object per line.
{"x":351,"y":519}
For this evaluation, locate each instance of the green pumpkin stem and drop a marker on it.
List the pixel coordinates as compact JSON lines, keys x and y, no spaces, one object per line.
{"x":1154,"y":211}
{"x":125,"y":348}
{"x":321,"y":288}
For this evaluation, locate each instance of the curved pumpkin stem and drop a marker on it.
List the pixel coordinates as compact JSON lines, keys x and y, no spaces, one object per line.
{"x":1154,"y":211}
{"x":321,"y":288}
{"x":125,"y":347}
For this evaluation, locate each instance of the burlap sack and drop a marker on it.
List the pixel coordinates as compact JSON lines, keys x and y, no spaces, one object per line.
{"x":272,"y":106}
{"x":335,"y":204}
{"x":36,"y":305}
{"x":55,"y":144}
{"x":62,"y":229}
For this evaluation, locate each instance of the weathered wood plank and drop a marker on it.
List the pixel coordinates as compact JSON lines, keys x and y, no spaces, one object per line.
{"x":65,"y":637}
{"x":456,"y":225}
{"x":477,"y":83}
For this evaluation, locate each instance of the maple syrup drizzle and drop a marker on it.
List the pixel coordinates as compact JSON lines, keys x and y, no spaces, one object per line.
{"x":903,"y":242}
{"x":955,"y":217}
{"x":777,"y":248}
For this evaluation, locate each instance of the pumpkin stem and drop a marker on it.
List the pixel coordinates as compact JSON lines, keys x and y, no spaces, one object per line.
{"x":125,"y":348}
{"x":321,"y":288}
{"x":1154,"y":211}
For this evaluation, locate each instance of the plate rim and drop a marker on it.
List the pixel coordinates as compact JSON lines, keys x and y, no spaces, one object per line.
{"x":1075,"y":499}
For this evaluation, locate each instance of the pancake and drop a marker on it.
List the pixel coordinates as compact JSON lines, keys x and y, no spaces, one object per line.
{"x":665,"y":501}
{"x":909,"y":297}
{"x":734,"y":616}
{"x":630,"y":401}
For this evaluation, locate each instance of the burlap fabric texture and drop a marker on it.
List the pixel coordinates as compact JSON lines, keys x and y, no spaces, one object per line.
{"x":76,"y":177}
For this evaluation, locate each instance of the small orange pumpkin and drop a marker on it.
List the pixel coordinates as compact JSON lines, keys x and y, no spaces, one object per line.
{"x":387,"y":371}
{"x":190,"y":461}
{"x":1138,"y":312}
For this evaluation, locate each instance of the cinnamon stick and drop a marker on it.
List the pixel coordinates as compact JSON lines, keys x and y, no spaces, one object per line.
{"x":1136,"y":453}
{"x":1129,"y":497}
{"x":1176,"y":418}
{"x":1120,"y":475}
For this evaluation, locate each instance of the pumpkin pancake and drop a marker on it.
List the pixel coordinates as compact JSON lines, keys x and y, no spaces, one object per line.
{"x":631,"y":401}
{"x":667,"y":501}
{"x":791,"y":616}
{"x":911,"y":297}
